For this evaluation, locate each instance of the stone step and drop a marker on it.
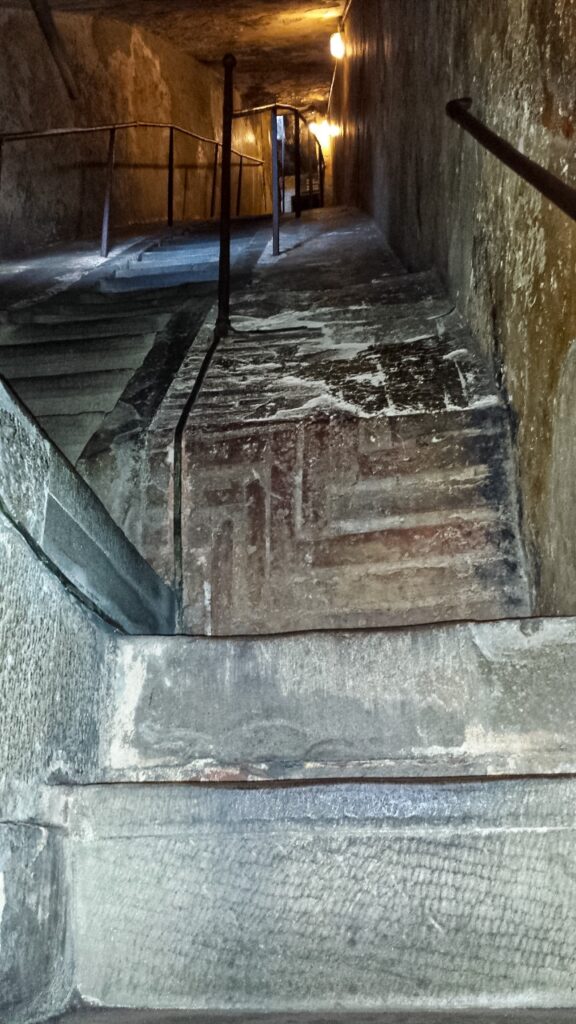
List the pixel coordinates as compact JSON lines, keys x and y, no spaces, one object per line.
{"x":365,"y":895}
{"x":473,"y":699}
{"x":135,"y":280}
{"x":86,"y":355}
{"x":75,"y":393}
{"x":74,"y":328}
{"x":478,"y":1016}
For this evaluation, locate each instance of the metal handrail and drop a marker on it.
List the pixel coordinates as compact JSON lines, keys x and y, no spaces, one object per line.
{"x":272,"y":109}
{"x":549,"y":185}
{"x":118,"y":126}
{"x":112,"y":129}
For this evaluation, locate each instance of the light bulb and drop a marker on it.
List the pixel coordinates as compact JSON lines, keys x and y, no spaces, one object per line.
{"x":337,"y":45}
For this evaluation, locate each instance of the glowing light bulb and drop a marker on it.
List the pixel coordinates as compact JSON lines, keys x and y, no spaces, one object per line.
{"x":324,"y":131}
{"x":337,"y":45}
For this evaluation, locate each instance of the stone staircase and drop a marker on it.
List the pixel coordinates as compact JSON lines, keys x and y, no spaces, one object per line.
{"x":324,"y":824}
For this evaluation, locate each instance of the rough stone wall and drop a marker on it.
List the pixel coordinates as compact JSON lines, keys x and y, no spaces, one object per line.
{"x":51,"y":191}
{"x":506,"y":254}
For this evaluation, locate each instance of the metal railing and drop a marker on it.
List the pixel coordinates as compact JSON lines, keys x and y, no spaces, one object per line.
{"x":549,"y":185}
{"x":112,"y":130}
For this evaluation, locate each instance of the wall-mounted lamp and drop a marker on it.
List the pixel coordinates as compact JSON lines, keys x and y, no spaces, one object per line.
{"x":324,"y":131}
{"x":337,"y":45}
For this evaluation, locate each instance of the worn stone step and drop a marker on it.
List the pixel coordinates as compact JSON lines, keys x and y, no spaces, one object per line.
{"x":73,"y":328}
{"x":473,"y":699}
{"x":71,"y":433}
{"x":306,"y":898}
{"x":136,"y":280}
{"x":51,"y":359}
{"x":488,"y":1016}
{"x":72,"y":393}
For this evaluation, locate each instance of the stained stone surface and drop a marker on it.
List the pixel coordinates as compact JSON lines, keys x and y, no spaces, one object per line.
{"x":41,"y":495}
{"x":348,"y":460}
{"x":401,"y":897}
{"x":492,"y":698}
{"x":36,"y":963}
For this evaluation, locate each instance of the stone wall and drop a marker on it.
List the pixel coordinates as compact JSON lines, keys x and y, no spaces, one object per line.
{"x":506,"y":254}
{"x":53,"y":190}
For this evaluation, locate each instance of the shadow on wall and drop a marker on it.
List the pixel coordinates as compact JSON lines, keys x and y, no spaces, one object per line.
{"x":506,"y":255}
{"x":53,"y":190}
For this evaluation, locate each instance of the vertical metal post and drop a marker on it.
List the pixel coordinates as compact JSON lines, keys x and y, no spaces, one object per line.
{"x":275,"y":184}
{"x":239,"y":189}
{"x":297,"y":166}
{"x":223,"y":319}
{"x":104,"y":242}
{"x":170,"y":217}
{"x":321,"y":172}
{"x":310,"y":168}
{"x":284,"y":171}
{"x":214,"y":183}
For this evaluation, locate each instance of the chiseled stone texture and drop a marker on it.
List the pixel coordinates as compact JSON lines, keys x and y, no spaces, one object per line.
{"x":42,"y":495}
{"x":35,"y":962}
{"x":54,"y":671}
{"x":356,"y":897}
{"x":506,"y":253}
{"x":492,"y":698}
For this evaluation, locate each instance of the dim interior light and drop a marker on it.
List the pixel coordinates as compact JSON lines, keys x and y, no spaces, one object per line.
{"x":324,"y":131}
{"x":337,"y":45}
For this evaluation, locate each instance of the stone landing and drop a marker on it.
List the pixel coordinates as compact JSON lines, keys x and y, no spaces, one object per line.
{"x":348,"y":462}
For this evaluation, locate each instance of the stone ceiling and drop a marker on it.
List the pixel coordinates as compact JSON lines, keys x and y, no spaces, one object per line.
{"x":282,"y":48}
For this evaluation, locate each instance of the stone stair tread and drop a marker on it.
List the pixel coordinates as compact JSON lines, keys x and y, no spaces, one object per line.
{"x":79,"y":392}
{"x":78,"y":329}
{"x":88,"y":355}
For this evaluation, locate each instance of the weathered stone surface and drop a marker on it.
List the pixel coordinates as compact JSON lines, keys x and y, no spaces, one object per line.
{"x":41,"y":494}
{"x":348,"y":460}
{"x":36,"y":961}
{"x":103,"y":1016}
{"x":396,"y":897}
{"x":476,"y":699}
{"x":55,"y":671}
{"x":506,"y":253}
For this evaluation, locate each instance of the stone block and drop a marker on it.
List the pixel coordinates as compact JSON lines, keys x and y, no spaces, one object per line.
{"x":36,"y":960}
{"x":359,"y":897}
{"x":476,"y":699}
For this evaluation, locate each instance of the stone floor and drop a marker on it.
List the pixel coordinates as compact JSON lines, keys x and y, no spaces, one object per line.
{"x":348,"y":461}
{"x":490,"y":1016}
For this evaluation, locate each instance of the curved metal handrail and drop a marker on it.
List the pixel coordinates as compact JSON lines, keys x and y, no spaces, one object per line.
{"x":549,"y":185}
{"x":118,"y":126}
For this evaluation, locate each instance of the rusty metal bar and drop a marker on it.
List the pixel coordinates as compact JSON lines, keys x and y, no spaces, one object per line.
{"x":297,"y":168}
{"x":284,"y":171}
{"x":214,"y":182}
{"x":170,"y":217}
{"x":239,"y":188}
{"x":549,"y":185}
{"x":223,"y":318}
{"x":105,"y":239}
{"x":275,"y":184}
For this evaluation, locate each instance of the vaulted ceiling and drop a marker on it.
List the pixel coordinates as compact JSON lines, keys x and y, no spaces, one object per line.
{"x":282,"y":48}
